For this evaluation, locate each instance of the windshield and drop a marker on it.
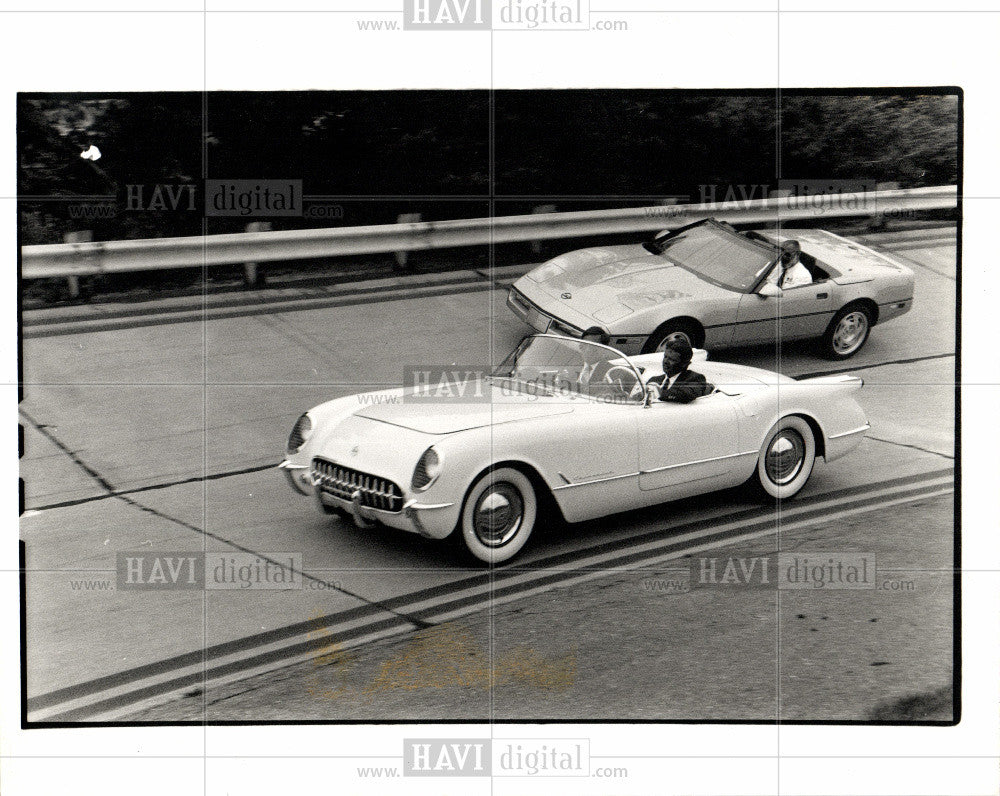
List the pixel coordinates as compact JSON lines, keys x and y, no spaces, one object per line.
{"x":549,"y":365}
{"x":723,"y":257}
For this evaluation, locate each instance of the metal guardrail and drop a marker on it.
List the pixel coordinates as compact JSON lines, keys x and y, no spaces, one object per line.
{"x":87,"y":258}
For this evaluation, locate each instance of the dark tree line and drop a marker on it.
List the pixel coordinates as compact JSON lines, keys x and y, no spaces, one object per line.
{"x":655,"y":142}
{"x":422,"y":151}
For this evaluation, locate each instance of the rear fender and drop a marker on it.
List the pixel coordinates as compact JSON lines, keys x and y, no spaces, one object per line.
{"x":829,"y":404}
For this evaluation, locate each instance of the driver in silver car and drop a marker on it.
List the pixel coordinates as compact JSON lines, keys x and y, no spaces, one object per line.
{"x":791,"y":272}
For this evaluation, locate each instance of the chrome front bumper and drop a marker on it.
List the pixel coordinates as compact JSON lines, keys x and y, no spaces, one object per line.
{"x":298,"y":476}
{"x":413,"y":518}
{"x":432,"y":520}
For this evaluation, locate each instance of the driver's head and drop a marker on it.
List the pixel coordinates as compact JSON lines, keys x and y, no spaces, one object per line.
{"x":677,"y":353}
{"x":790,"y":251}
{"x":595,"y":334}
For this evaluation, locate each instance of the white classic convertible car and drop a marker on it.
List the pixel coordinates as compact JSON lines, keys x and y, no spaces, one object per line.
{"x":569,"y":423}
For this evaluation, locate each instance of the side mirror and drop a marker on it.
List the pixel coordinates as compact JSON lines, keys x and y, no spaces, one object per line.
{"x":770,"y":290}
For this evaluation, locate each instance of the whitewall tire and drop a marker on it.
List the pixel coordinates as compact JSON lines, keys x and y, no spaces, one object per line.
{"x":499,"y":515}
{"x":786,"y":458}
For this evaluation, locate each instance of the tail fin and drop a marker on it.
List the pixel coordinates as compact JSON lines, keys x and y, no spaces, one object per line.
{"x":851,"y":384}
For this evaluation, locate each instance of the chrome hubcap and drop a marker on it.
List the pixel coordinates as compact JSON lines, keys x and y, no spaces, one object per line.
{"x":785,"y":456}
{"x":850,"y":332}
{"x":498,"y":514}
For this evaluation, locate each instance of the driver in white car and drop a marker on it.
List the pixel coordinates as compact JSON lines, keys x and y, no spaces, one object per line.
{"x":678,"y":384}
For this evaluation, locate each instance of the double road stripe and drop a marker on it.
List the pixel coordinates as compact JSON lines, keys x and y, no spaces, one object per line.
{"x":115,"y":696}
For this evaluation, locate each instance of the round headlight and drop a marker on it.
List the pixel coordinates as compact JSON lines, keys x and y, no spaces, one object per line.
{"x":300,"y":433}
{"x":427,"y":470}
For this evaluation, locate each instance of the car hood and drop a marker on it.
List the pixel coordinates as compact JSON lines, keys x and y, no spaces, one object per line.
{"x":629,"y":276}
{"x":485,"y":404}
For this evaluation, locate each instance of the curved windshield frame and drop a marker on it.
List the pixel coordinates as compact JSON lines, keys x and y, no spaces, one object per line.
{"x":554,"y":365}
{"x":718,"y":255}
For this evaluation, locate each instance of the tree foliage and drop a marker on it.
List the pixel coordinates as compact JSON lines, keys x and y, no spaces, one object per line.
{"x":382,"y":153}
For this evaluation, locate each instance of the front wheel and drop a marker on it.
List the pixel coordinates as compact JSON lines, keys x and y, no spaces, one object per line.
{"x":786,"y":459}
{"x":499,"y":515}
{"x":847,"y":332}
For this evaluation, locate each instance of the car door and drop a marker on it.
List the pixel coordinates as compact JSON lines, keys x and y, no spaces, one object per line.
{"x":798,"y":312}
{"x":588,"y":454}
{"x":680,"y":444}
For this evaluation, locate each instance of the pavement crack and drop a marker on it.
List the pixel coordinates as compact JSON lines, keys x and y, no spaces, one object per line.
{"x":871,"y":366}
{"x":416,"y":621}
{"x":151,"y":487}
{"x":43,"y":429}
{"x":912,"y":447}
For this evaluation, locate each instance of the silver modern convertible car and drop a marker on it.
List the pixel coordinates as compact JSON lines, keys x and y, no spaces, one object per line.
{"x":718,"y":288}
{"x":567,"y":423}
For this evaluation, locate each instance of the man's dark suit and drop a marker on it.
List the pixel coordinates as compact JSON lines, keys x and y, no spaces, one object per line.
{"x":686,"y":387}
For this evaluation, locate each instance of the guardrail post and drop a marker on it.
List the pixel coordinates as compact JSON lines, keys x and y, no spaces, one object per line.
{"x":878,"y":217}
{"x":80,"y":236}
{"x":405,"y":218}
{"x":667,"y":201}
{"x":253,"y":277}
{"x":536,"y":245}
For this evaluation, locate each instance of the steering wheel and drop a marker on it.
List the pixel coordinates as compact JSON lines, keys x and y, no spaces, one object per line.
{"x":616,"y":375}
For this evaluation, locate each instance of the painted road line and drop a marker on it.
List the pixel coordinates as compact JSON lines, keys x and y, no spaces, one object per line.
{"x":112,"y":709}
{"x":260,"y":640}
{"x":431,"y":595}
{"x":501,"y":599}
{"x":127,"y":699}
{"x":468,"y":587}
{"x":503,"y":586}
{"x":116,"y":705}
{"x":358,"y":617}
{"x":631,"y":558}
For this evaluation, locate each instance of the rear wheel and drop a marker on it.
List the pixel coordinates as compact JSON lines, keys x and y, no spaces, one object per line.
{"x":499,"y":515}
{"x":847,"y":332}
{"x":786,"y":459}
{"x":680,"y":328}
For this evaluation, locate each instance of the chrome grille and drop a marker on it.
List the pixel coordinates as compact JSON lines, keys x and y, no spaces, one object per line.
{"x":342,"y":482}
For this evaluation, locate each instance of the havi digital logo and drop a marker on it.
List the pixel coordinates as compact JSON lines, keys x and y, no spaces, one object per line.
{"x":442,"y":757}
{"x":447,"y":14}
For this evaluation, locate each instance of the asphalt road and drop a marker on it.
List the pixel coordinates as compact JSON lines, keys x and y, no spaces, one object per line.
{"x":731,"y":650}
{"x":122,"y":425}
